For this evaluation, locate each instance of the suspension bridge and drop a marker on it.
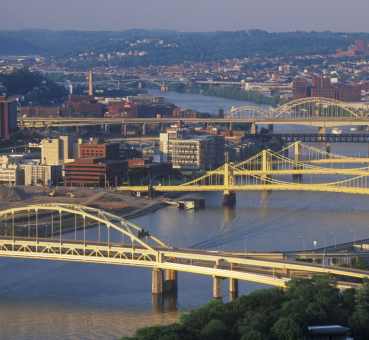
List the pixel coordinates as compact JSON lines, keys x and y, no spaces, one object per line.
{"x":268,"y":171}
{"x":58,"y":232}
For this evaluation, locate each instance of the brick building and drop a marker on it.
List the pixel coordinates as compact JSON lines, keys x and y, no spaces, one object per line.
{"x":94,"y":172}
{"x":322,"y":86}
{"x":109,"y":151}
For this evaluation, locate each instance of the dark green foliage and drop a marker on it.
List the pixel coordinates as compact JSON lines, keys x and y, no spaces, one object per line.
{"x":360,"y":318}
{"x":34,"y":87}
{"x":286,"y":328}
{"x":272,"y":314}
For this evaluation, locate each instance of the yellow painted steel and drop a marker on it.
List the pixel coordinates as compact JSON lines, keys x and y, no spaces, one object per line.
{"x":259,"y":172}
{"x":263,"y":268}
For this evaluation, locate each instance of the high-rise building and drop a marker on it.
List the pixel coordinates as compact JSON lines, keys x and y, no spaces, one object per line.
{"x":8,"y":117}
{"x":55,"y":151}
{"x":199,"y":153}
{"x":166,"y":139}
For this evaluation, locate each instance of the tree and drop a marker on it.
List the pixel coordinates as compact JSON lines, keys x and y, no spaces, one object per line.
{"x":360,"y":318}
{"x":253,"y":335}
{"x":214,"y":330}
{"x":286,"y":328}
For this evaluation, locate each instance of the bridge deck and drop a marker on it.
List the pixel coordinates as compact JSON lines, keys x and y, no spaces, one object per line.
{"x":276,"y":272}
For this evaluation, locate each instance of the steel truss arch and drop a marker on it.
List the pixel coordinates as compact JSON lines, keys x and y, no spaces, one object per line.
{"x":121,"y":225}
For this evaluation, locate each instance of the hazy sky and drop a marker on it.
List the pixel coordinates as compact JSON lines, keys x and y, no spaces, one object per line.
{"x":186,"y":15}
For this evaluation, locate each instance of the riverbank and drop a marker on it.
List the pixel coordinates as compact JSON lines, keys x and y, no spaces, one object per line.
{"x":121,"y":204}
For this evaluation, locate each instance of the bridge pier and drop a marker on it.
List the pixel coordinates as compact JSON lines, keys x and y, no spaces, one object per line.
{"x":157,"y":286}
{"x":229,"y":199}
{"x":144,"y":129}
{"x":217,"y":287}
{"x":170,"y":282}
{"x":233,"y":289}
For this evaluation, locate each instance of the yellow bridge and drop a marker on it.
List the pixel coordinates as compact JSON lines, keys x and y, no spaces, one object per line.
{"x":260,"y":171}
{"x":314,"y":111}
{"x":58,"y":232}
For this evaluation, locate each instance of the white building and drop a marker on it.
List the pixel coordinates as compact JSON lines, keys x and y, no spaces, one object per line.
{"x":56,"y":151}
{"x":41,"y":174}
{"x":10,"y":174}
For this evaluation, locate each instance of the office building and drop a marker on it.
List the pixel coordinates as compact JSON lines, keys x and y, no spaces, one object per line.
{"x":56,"y":151}
{"x":94,"y":149}
{"x":322,"y":86}
{"x":8,"y":117}
{"x":39,"y":174}
{"x":200,"y":153}
{"x":94,"y":172}
{"x":10,"y":174}
{"x":165,"y":142}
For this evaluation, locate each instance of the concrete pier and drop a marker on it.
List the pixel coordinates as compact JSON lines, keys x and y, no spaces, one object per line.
{"x":157,"y":286}
{"x":229,"y":199}
{"x":170,"y":282}
{"x":233,"y":289}
{"x":217,"y":287}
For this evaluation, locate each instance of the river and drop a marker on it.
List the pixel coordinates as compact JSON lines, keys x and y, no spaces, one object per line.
{"x":49,"y":300}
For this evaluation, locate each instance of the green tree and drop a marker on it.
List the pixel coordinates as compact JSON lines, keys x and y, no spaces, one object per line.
{"x":214,"y":330}
{"x":253,"y":335}
{"x":286,"y":328}
{"x":360,"y":318}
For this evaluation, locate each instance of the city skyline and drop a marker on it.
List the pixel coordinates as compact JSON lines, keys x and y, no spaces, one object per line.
{"x":286,"y":15}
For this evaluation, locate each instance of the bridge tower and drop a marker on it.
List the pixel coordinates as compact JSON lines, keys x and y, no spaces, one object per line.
{"x":229,"y":196}
{"x":265,"y":165}
{"x":297,"y":157}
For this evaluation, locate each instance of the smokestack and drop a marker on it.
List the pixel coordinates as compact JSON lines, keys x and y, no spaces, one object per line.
{"x":90,"y":84}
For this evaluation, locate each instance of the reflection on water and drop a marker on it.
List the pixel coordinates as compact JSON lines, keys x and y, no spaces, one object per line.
{"x":62,"y":321}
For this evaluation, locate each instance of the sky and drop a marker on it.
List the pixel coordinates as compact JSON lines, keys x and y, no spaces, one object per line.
{"x":186,"y":15}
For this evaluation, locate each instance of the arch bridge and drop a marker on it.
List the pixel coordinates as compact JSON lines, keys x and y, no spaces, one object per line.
{"x":60,"y":232}
{"x":311,"y":111}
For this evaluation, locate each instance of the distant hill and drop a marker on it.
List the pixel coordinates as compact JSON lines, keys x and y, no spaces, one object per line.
{"x":145,"y":47}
